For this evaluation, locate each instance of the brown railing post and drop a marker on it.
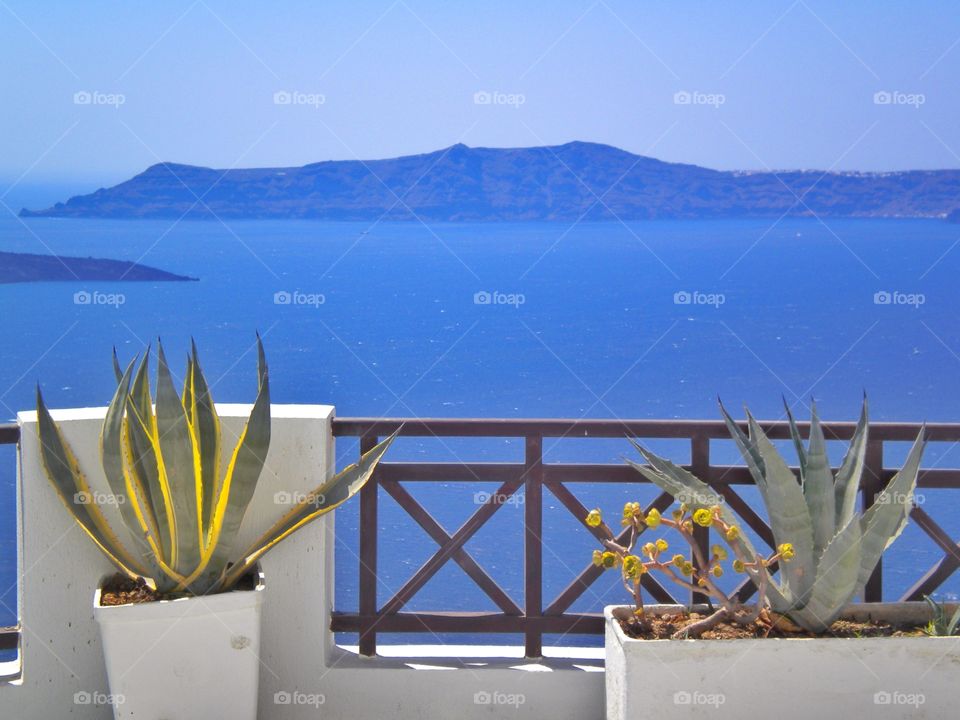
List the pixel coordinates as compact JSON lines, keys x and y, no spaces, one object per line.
{"x":700,"y":466}
{"x":870,"y":487}
{"x":368,"y":557}
{"x":533,"y":552}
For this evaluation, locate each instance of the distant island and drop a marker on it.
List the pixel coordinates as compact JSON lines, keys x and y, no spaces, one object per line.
{"x":23,"y":267}
{"x":564,"y":182}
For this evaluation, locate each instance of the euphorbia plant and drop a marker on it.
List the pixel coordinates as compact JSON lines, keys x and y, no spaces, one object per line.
{"x":698,"y":572}
{"x":182,"y":508}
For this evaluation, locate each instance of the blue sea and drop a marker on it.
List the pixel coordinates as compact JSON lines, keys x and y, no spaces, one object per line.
{"x":639,"y":320}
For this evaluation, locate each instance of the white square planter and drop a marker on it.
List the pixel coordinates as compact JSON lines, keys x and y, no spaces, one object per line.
{"x":191,"y":658}
{"x":787,"y":679}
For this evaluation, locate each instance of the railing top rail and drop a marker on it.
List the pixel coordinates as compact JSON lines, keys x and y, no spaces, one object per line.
{"x":594,"y":428}
{"x":9,"y":433}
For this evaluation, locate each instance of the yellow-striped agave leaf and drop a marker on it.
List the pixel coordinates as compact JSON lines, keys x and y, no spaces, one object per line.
{"x":138,"y":444}
{"x":123,"y":484}
{"x":178,"y":465}
{"x":71,"y":486}
{"x":238,"y":485}
{"x":325,"y":498}
{"x":206,"y":427}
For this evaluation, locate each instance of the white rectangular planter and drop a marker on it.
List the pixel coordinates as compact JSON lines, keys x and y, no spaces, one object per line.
{"x":819,"y":678}
{"x":182,"y":659}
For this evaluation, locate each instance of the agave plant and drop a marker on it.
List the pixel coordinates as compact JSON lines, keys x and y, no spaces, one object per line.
{"x":181,"y":509}
{"x":940,"y":625}
{"x":836,"y":547}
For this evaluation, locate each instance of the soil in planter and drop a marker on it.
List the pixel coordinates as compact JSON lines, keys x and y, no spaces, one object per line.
{"x":121,"y":590}
{"x":662,"y":627}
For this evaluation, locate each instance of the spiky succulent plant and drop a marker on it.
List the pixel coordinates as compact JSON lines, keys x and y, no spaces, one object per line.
{"x":836,"y":546}
{"x":181,"y":507}
{"x":942,"y":625}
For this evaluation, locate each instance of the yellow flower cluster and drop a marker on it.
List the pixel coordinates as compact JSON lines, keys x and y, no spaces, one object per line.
{"x":703,"y":517}
{"x":786,"y":551}
{"x":633,"y":567}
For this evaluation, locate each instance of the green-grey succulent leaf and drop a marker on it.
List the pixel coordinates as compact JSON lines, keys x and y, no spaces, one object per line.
{"x":321,"y":501}
{"x":847,"y":483}
{"x":788,"y":515}
{"x":142,"y":455}
{"x":748,"y":449}
{"x":836,"y":581}
{"x":176,"y":452}
{"x":883,"y":521}
{"x":818,"y":488}
{"x":117,"y":370}
{"x":63,"y":471}
{"x":797,"y":439}
{"x":111,"y":455}
{"x":242,"y":474}
{"x":204,"y":418}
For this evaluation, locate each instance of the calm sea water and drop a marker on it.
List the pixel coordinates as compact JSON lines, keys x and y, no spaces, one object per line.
{"x":583,"y":321}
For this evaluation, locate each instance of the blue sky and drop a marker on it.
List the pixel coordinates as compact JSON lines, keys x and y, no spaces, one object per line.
{"x":96,"y":91}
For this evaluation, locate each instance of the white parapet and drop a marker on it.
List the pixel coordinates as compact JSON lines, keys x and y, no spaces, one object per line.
{"x":303,"y":674}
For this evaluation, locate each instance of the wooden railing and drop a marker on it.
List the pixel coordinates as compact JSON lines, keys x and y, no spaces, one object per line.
{"x":533,"y":616}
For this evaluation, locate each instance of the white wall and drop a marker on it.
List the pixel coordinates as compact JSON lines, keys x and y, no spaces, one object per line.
{"x":61,"y":650}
